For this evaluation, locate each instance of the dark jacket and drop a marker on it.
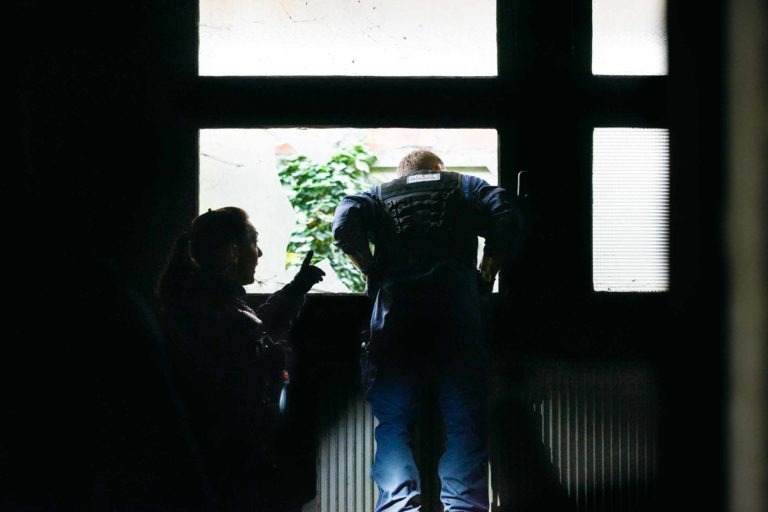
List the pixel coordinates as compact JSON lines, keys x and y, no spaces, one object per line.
{"x":437,"y":294}
{"x":217,"y":345}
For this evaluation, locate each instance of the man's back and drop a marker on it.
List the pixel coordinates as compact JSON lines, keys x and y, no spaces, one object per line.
{"x":425,"y":220}
{"x":427,"y":229}
{"x":423,"y":275}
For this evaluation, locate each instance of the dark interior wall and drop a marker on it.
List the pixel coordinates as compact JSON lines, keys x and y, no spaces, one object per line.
{"x":96,"y":194}
{"x":95,"y":94}
{"x":747,"y":232}
{"x":692,"y":361}
{"x":105,"y":170}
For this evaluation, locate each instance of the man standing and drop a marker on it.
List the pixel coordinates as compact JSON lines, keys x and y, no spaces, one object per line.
{"x":426,"y":320}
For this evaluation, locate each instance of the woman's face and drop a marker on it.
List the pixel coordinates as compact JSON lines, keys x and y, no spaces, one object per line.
{"x":248,"y":257}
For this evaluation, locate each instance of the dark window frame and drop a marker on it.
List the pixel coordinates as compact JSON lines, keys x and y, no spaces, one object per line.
{"x":544,"y":67}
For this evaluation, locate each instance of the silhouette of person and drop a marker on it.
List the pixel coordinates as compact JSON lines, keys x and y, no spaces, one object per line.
{"x":94,"y":422}
{"x":224,"y":354}
{"x":426,"y":320}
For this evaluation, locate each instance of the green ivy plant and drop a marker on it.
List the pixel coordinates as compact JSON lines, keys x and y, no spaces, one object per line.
{"x":315,"y":190}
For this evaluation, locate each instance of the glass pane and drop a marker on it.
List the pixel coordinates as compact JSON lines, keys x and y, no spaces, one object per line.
{"x":630,"y":209}
{"x":245,"y":167}
{"x":629,"y":37}
{"x":348,"y":37}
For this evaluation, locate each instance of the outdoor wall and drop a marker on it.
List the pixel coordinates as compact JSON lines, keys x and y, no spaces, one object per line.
{"x":348,"y":37}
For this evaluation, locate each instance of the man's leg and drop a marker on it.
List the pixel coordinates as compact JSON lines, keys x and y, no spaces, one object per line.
{"x":393,"y":400}
{"x":463,"y":467}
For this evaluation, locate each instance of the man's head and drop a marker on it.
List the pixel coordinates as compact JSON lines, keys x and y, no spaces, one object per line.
{"x":419,"y":160}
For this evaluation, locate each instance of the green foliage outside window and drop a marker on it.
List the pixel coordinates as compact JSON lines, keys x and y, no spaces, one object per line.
{"x":315,"y":191}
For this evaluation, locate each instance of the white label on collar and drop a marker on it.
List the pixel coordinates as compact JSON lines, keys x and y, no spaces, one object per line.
{"x":418,"y":178}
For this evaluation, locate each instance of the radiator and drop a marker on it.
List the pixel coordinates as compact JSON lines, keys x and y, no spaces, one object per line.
{"x":599,"y":427}
{"x":592,"y":429}
{"x":591,"y":434}
{"x":345,"y":457}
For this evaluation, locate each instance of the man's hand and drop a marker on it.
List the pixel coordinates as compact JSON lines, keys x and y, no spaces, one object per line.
{"x":372,"y":282}
{"x":308,"y":275}
{"x":484,"y":284}
{"x":486,"y":274}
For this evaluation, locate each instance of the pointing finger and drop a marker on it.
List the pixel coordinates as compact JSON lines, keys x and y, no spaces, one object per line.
{"x":308,"y":259}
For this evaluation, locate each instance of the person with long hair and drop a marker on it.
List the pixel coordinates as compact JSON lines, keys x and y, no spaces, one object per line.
{"x":224,"y":352}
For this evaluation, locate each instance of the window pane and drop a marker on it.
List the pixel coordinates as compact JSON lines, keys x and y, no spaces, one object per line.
{"x":629,"y":37}
{"x":245,"y":167}
{"x":348,"y":37}
{"x":630,"y":209}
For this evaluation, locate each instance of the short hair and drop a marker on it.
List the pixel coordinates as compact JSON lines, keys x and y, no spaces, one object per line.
{"x":214,"y":230}
{"x":417,"y":160}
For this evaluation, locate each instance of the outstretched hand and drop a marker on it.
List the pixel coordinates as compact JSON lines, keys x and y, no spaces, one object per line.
{"x":308,"y":275}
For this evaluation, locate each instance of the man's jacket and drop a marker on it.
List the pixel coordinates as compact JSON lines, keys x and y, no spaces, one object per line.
{"x":424,"y":228}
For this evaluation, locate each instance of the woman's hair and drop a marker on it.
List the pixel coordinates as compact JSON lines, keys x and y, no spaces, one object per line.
{"x":204,"y":246}
{"x":212,"y":232}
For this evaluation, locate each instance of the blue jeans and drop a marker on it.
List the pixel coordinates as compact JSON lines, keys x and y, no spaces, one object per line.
{"x":464,"y":463}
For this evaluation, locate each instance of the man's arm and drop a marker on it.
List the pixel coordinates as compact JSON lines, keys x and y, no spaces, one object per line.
{"x":351,"y":225}
{"x":501,"y":224}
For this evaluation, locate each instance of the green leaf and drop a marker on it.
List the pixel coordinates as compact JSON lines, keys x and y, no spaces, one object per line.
{"x":315,"y":190}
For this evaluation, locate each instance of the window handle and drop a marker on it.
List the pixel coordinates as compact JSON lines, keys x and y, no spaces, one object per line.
{"x":523,"y":184}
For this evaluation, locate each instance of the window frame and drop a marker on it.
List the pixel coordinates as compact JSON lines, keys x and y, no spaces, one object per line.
{"x":510,"y":102}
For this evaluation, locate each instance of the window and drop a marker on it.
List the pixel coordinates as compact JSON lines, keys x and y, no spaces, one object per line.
{"x":630,"y":166}
{"x":629,"y":38}
{"x":244,"y":166}
{"x":349,"y":38}
{"x":274,"y":47}
{"x":630,"y":207}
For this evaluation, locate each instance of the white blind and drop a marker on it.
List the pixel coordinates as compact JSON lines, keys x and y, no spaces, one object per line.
{"x":630,"y":210}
